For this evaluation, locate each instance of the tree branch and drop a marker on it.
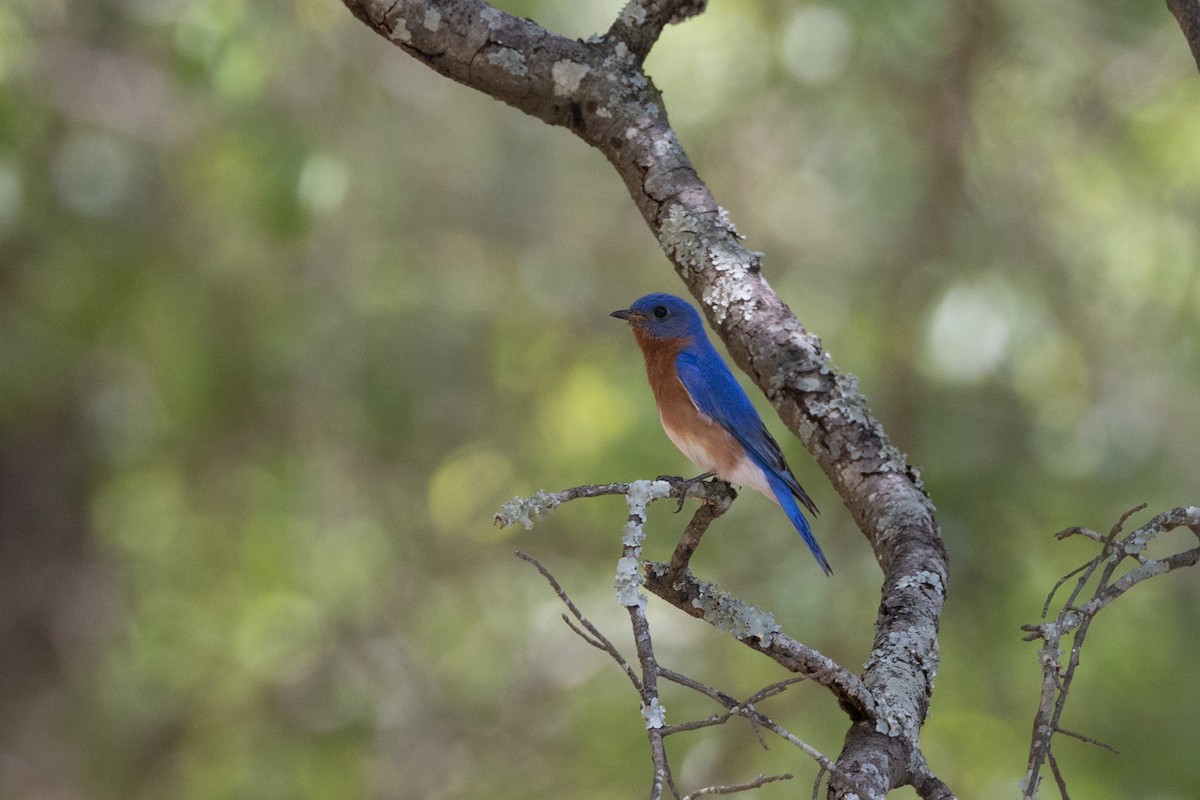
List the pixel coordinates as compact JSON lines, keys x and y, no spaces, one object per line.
{"x":1074,"y":620}
{"x":640,"y":22}
{"x":598,"y":90}
{"x":761,"y":780}
{"x":1187,"y":14}
{"x":638,"y":496}
{"x":757,"y":630}
{"x":704,"y":600}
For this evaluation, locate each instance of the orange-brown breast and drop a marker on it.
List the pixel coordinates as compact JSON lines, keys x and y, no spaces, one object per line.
{"x":698,"y":436}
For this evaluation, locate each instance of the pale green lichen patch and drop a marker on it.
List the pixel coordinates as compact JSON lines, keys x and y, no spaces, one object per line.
{"x":724,"y":292}
{"x":400,"y":31}
{"x":847,"y":400}
{"x":922,"y":579}
{"x":628,"y":583}
{"x":491,"y":16}
{"x":567,"y":76}
{"x":633,"y":14}
{"x":654,"y":714}
{"x":642,"y":493}
{"x":893,"y":663}
{"x":727,"y":613}
{"x":509,"y":60}
{"x":677,"y":237}
{"x":1136,"y":542}
{"x":725,"y":221}
{"x":526,"y":510}
{"x":803,"y":383}
{"x":893,"y":459}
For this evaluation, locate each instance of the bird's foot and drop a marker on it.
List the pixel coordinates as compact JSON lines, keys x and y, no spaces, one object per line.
{"x":686,"y":483}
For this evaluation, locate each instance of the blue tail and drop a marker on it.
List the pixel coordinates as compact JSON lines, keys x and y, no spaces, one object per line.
{"x":784,"y":495}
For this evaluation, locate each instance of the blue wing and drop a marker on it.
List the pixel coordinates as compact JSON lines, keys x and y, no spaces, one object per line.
{"x":717,"y":393}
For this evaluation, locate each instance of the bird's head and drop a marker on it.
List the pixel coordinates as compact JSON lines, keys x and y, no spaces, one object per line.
{"x":662,"y":316}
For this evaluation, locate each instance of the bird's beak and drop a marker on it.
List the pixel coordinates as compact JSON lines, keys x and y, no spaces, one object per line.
{"x":629,"y":315}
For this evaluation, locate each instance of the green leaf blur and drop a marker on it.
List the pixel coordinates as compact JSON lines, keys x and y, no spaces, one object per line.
{"x":285,"y":317}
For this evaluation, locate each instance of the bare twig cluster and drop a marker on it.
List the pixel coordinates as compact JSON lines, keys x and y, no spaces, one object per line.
{"x":1120,"y":565}
{"x":755,"y":625}
{"x":598,"y":90}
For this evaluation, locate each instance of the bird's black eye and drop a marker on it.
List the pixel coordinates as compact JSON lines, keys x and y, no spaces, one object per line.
{"x":660,"y":311}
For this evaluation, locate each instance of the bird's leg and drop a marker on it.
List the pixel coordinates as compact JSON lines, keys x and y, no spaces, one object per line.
{"x":687,"y":483}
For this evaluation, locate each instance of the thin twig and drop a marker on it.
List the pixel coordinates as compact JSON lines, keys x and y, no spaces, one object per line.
{"x":1083,"y":738}
{"x":695,"y":685}
{"x":822,"y":773}
{"x":774,"y":689}
{"x":1058,"y":776}
{"x":690,"y":540}
{"x":1124,"y":518}
{"x":749,"y":712}
{"x":707,"y":601}
{"x":761,"y":780}
{"x":1074,"y":620}
{"x":629,"y":593}
{"x":598,"y":640}
{"x":527,"y":510}
{"x":1059,"y":583}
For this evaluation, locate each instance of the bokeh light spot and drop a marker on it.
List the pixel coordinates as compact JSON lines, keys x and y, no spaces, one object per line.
{"x":323,"y":182}
{"x":93,"y":174}
{"x":10,"y":197}
{"x":969,"y":331}
{"x":817,"y":42}
{"x":466,"y":490}
{"x":587,"y":414}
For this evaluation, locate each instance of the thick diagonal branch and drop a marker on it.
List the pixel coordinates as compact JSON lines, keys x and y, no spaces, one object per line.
{"x":598,"y":90}
{"x":1187,"y":14}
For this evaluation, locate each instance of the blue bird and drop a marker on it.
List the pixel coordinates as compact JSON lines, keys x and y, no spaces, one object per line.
{"x":706,"y":413}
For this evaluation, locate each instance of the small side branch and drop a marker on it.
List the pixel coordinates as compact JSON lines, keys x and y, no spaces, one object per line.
{"x":927,"y":785}
{"x":641,"y":22}
{"x":675,"y":583}
{"x":747,"y":709}
{"x":593,"y":636}
{"x":629,"y":594}
{"x":761,"y":780}
{"x":598,"y":90}
{"x":747,"y":622}
{"x":528,"y":510}
{"x":1075,"y":617}
{"x":705,"y":515}
{"x":758,"y":630}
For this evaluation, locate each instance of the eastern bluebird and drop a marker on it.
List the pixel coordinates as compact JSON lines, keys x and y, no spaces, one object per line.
{"x":706,"y":413}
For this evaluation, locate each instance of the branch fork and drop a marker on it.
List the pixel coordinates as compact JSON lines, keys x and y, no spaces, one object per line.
{"x":598,"y":90}
{"x":754,"y":627}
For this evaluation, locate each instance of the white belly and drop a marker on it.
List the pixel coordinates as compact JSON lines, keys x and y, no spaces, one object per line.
{"x":740,"y":471}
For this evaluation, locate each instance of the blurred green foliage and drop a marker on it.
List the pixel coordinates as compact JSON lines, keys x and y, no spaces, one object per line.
{"x":284,"y":316}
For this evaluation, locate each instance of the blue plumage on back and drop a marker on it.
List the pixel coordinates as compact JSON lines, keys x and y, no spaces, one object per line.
{"x":667,"y":326}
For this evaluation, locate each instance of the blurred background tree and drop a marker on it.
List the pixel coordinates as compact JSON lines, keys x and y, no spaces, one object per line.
{"x":263,"y":383}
